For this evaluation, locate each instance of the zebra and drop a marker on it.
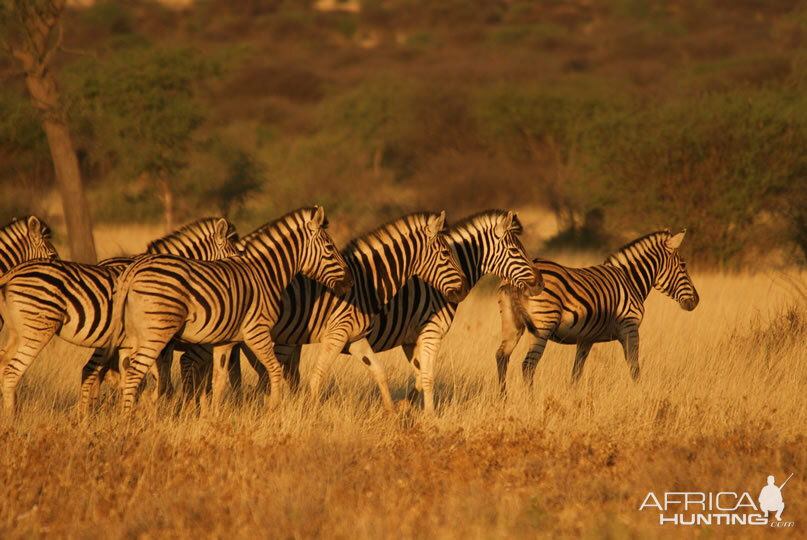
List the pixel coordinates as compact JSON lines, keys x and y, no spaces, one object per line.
{"x":24,"y":239}
{"x":382,"y":262}
{"x":194,"y":241}
{"x":40,"y":299}
{"x":222,"y":302}
{"x":418,"y":316}
{"x":595,"y":304}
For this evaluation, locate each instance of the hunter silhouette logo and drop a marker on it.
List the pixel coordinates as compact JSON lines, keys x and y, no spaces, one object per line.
{"x":720,"y":508}
{"x":770,"y":498}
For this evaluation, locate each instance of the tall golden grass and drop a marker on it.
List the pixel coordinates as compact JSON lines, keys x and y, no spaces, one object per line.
{"x":719,"y":406}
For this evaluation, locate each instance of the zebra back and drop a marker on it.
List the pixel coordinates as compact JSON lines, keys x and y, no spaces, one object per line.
{"x":205,"y":239}
{"x":484,"y":243}
{"x":272,"y":255}
{"x":381,"y":261}
{"x":654,"y":261}
{"x":412,"y":245}
{"x":24,"y":239}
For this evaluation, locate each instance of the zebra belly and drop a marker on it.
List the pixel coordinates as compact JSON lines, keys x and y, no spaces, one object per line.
{"x":576,"y":327}
{"x":213,"y":331}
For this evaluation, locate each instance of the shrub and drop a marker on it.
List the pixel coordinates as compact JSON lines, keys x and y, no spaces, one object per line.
{"x":715,"y":164}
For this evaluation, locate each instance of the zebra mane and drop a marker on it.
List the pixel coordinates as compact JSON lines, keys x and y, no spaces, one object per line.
{"x":207,"y":224}
{"x":613,"y":257}
{"x":487,"y":217}
{"x":20,"y":225}
{"x":390,"y":228}
{"x":240,"y":244}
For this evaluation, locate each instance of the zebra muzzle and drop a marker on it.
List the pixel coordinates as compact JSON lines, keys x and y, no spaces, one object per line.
{"x":343,"y":286}
{"x":535,"y":286}
{"x":458,"y":295}
{"x":689,"y":303}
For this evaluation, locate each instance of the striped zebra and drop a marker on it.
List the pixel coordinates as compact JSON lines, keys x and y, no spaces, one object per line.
{"x":41,"y":299}
{"x":418,"y":316}
{"x":382,"y":262}
{"x":204,"y":240}
{"x":24,"y":239}
{"x":595,"y":304}
{"x":222,"y":302}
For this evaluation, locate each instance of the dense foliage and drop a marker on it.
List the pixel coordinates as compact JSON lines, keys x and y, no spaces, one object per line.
{"x":644,"y":114}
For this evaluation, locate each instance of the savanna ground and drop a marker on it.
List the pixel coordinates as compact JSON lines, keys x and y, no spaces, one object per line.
{"x":720,"y":405}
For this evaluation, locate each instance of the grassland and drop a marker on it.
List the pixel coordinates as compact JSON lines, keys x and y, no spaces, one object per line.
{"x":720,"y":405}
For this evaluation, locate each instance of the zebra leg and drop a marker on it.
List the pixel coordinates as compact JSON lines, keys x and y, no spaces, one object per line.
{"x":414,"y":362}
{"x":263,"y":376}
{"x":583,"y":348}
{"x":260,"y":341}
{"x":362,"y":349}
{"x":142,"y":358}
{"x":19,"y":354}
{"x":629,"y":339}
{"x":221,"y":370}
{"x":289,"y":358}
{"x":533,"y":357}
{"x":196,"y":366}
{"x":427,"y":347}
{"x":329,"y":349}
{"x":162,"y":373}
{"x":512,"y":330}
{"x":91,"y":375}
{"x":234,"y":374}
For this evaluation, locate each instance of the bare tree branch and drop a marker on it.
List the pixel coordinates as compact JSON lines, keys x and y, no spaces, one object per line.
{"x":46,"y":60}
{"x":82,"y":52}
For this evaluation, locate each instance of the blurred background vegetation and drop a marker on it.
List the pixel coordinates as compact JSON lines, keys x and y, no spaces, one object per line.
{"x":613,"y":118}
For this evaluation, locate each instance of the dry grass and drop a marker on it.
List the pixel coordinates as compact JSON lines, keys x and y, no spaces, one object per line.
{"x":720,"y":405}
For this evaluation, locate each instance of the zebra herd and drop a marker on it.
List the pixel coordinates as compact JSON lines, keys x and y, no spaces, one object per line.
{"x":211,"y":296}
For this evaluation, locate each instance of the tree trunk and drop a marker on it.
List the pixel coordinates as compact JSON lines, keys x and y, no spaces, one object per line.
{"x":35,"y":54}
{"x":65,"y":164}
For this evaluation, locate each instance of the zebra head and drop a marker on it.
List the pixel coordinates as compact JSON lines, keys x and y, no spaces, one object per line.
{"x":437,"y":265}
{"x":206,"y":239}
{"x":672,"y":277}
{"x":321,"y":261}
{"x":24,"y":239}
{"x":508,"y":260}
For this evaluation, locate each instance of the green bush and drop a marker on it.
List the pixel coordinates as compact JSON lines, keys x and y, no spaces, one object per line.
{"x":718,"y":164}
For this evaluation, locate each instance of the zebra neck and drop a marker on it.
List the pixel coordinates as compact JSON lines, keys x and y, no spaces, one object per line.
{"x":640,"y":269}
{"x":9,"y":255}
{"x":377,"y":276}
{"x":275,"y":261}
{"x":470,"y":257}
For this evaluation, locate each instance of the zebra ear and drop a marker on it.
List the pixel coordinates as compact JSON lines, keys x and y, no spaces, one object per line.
{"x":435,"y":224}
{"x":222,"y":230}
{"x":504,"y":225}
{"x":34,"y":229}
{"x":317,"y":220}
{"x":674,"y":242}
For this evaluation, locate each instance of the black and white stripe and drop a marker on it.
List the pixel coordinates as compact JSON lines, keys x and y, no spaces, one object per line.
{"x":418,"y":316}
{"x":24,"y":239}
{"x":40,"y":299}
{"x":382,"y":262}
{"x":595,"y":304}
{"x":222,"y":302}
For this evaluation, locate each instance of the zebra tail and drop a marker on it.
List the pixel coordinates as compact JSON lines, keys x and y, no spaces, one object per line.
{"x":518,"y":300}
{"x":119,"y":297}
{"x":5,"y":278}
